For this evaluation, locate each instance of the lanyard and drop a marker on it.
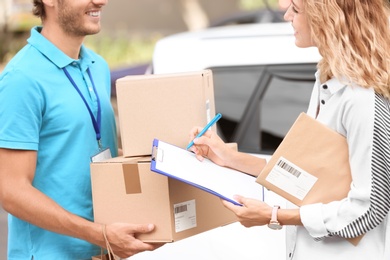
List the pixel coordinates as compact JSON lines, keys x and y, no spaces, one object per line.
{"x":96,"y":122}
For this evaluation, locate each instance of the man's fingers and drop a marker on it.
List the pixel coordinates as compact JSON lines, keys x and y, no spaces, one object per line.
{"x":146,"y":228}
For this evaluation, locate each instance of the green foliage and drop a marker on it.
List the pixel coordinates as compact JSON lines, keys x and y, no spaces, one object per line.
{"x":257,"y":4}
{"x":23,"y":22}
{"x":122,"y":50}
{"x":118,"y":51}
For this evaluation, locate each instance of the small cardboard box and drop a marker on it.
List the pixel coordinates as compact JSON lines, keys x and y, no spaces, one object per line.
{"x":162,"y":106}
{"x":125,"y":190}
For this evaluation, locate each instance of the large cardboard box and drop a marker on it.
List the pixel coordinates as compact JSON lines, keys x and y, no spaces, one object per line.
{"x":164,"y":107}
{"x":125,"y":190}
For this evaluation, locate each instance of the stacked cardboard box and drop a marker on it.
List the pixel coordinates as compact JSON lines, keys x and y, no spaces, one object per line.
{"x":125,"y":190}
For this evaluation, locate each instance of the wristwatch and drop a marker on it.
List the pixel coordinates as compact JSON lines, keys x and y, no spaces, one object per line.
{"x":274,"y":223}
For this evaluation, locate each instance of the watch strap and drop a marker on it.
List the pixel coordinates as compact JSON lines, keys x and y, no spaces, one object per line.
{"x":274,"y":215}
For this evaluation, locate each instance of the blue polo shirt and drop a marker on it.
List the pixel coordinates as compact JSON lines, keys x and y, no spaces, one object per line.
{"x":41,"y":110}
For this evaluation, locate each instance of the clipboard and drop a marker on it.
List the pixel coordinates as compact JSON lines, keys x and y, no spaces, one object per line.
{"x":310,"y":165}
{"x":182,"y":165}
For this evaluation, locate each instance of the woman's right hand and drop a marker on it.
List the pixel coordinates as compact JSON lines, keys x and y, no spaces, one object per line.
{"x":210,"y":146}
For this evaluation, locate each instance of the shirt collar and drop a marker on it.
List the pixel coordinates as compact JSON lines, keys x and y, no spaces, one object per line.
{"x":333,"y":84}
{"x":55,"y":55}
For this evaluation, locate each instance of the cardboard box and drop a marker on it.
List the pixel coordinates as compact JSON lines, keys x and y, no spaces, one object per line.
{"x":125,"y":190}
{"x":164,"y":107}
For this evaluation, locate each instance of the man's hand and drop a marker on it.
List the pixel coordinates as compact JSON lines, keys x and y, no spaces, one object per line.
{"x":123,"y":241}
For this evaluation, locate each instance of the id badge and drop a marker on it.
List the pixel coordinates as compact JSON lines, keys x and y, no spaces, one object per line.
{"x":101,"y":155}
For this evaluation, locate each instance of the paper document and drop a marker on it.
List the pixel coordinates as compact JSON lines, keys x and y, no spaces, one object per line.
{"x":223,"y":182}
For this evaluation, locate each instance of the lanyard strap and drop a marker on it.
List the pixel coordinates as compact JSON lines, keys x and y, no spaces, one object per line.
{"x":96,"y":122}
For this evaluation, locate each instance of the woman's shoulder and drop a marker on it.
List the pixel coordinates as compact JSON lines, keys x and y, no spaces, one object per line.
{"x":356,"y":96}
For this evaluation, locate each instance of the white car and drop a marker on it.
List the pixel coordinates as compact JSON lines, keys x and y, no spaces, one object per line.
{"x":261,"y":79}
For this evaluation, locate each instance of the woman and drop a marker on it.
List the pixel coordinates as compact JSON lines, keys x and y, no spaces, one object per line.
{"x":351,"y":95}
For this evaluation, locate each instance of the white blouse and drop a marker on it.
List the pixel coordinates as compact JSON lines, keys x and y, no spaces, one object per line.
{"x":363,"y":117}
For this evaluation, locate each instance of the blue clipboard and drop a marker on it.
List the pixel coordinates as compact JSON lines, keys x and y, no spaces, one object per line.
{"x":180,"y":164}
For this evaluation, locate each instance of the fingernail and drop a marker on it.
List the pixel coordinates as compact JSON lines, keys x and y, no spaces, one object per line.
{"x":150,"y":227}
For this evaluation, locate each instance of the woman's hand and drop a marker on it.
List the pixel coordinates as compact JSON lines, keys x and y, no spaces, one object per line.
{"x":251,"y":213}
{"x":210,"y":146}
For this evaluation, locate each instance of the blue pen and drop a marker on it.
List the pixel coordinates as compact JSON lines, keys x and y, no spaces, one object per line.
{"x":210,"y":124}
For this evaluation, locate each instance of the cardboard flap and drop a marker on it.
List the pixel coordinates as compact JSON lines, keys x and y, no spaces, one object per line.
{"x":131,"y":178}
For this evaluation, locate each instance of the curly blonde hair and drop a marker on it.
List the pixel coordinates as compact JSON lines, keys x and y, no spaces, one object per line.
{"x":353,"y":37}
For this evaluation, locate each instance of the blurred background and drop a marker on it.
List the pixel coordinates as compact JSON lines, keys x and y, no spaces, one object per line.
{"x":131,"y":28}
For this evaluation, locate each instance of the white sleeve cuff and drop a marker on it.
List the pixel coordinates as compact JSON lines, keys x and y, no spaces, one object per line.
{"x":312,"y":220}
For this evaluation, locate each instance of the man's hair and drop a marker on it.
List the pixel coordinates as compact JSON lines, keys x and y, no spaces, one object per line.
{"x":39,"y":9}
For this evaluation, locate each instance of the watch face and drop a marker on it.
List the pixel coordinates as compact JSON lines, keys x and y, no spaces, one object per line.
{"x":275,"y":225}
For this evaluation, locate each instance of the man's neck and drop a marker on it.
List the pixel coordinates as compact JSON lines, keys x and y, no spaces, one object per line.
{"x":70,"y":45}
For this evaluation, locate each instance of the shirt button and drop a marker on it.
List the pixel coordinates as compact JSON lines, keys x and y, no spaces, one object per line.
{"x":325,"y":86}
{"x":90,"y":89}
{"x":323,"y":102}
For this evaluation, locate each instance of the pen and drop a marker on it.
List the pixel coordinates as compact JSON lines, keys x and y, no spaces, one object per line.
{"x":211,"y":123}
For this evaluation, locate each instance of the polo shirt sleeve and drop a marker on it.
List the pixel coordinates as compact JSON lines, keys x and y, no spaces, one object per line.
{"x":21,"y":106}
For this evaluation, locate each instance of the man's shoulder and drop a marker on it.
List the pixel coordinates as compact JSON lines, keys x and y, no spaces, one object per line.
{"x":27,"y":58}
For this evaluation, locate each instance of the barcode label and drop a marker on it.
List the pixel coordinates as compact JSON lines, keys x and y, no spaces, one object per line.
{"x":290,"y":178}
{"x":181,"y":209}
{"x":185,"y":215}
{"x":289,"y":168}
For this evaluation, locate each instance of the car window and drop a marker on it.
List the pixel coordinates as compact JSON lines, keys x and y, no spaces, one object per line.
{"x":260,"y":103}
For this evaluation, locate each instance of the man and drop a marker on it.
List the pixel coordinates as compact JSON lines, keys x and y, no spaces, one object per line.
{"x":56,"y":118}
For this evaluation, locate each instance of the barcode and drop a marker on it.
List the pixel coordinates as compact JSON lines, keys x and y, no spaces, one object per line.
{"x":284,"y":165}
{"x":180,"y":209}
